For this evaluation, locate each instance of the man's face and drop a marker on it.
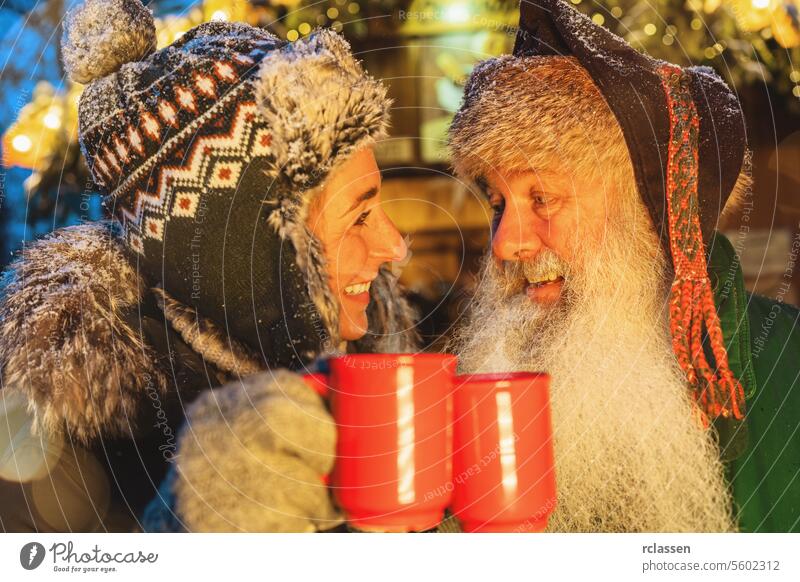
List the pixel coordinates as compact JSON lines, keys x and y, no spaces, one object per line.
{"x":357,"y":236}
{"x":630,"y":455}
{"x":545,"y":221}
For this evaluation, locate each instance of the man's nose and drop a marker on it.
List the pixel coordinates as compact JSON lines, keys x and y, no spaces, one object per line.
{"x":388,"y":244}
{"x":515,"y":239}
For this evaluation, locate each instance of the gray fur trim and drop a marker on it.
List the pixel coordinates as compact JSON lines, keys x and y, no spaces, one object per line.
{"x":320,"y":104}
{"x":102,"y":35}
{"x":530,"y":113}
{"x":205,"y":338}
{"x":82,"y":368}
{"x":392,"y":321}
{"x":311,"y":260}
{"x":321,"y":107}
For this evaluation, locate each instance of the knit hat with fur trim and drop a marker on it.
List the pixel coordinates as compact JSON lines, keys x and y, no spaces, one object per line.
{"x":208,"y":152}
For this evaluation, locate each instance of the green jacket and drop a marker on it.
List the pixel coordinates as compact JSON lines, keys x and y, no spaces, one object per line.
{"x":762,"y":454}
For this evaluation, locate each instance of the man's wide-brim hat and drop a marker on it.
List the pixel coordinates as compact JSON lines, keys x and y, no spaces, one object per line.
{"x":685,"y":137}
{"x":632,"y":84}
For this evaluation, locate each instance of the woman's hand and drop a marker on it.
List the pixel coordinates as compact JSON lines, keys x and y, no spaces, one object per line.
{"x":251,"y":457}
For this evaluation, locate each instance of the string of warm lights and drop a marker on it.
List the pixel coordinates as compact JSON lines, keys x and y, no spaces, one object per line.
{"x":335,"y":15}
{"x":679,"y":25}
{"x":704,"y":30}
{"x":47,"y":118}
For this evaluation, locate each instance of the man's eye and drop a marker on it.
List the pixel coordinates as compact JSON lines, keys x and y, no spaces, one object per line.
{"x":544,"y":205}
{"x":497,"y":204}
{"x":362,"y":218}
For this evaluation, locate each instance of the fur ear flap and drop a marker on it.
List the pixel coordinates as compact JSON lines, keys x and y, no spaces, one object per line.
{"x":321,"y":108}
{"x":320,"y":104}
{"x":63,"y":342}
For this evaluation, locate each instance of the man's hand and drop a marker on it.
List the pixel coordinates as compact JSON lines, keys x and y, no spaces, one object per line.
{"x":251,"y":457}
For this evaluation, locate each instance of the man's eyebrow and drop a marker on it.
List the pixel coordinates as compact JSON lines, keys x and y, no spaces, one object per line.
{"x":371,"y":193}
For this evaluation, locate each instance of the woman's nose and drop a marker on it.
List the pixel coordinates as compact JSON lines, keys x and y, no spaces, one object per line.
{"x":389,"y":244}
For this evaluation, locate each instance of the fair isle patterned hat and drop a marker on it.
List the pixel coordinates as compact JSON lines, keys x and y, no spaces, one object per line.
{"x":208,"y":152}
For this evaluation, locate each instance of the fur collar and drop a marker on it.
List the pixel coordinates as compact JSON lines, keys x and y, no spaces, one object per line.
{"x":83,"y":368}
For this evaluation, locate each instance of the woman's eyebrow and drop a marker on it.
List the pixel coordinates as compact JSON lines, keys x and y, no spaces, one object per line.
{"x":371,"y":193}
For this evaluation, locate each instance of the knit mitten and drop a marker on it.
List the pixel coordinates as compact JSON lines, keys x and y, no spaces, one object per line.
{"x":252,"y":455}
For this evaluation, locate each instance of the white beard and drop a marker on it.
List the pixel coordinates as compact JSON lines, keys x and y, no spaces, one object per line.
{"x":630,"y":453}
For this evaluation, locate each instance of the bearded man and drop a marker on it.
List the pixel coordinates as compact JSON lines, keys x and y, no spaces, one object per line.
{"x":607,"y":171}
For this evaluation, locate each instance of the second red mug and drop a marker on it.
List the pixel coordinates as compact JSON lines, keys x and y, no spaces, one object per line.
{"x":503,"y":464}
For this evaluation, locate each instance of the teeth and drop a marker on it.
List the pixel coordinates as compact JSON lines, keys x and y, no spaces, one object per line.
{"x":357,"y":289}
{"x":548,"y":278}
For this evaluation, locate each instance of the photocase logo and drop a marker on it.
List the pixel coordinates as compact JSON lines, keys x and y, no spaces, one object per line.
{"x":31,"y":555}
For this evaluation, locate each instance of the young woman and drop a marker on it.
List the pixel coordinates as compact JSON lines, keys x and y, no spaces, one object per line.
{"x":245,"y":240}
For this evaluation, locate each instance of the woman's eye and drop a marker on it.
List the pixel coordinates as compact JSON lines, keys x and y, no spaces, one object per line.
{"x":362,"y":218}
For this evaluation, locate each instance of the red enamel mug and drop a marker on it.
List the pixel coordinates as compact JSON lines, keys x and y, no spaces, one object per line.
{"x":503,"y":464}
{"x":393,"y":414}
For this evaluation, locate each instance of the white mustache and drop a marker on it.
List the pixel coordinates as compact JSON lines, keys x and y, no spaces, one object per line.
{"x":545,"y":265}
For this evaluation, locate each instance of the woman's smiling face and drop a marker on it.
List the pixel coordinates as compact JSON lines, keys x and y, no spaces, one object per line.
{"x":357,"y":236}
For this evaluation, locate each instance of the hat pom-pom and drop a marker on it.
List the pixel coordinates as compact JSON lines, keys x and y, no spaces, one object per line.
{"x":102,"y":35}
